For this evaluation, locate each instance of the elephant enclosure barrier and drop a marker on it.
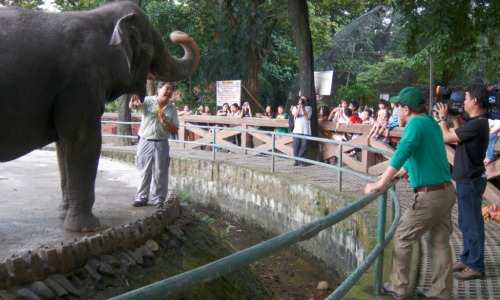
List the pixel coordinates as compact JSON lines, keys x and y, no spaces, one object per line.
{"x":258,"y":135}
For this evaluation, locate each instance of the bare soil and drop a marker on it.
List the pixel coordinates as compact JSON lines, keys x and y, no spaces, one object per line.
{"x":288,"y":274}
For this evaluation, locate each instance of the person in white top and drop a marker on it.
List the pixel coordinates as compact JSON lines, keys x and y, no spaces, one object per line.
{"x":302,"y":126}
{"x":338,"y":113}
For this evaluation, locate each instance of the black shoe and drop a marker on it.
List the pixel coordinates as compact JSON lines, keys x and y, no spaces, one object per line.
{"x":140,"y":203}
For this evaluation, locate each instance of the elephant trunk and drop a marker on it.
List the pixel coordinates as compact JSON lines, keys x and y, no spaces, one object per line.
{"x":169,"y":68}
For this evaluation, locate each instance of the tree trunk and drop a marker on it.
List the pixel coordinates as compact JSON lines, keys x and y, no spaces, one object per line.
{"x":251,"y":79}
{"x":124,"y":115}
{"x":253,"y":62}
{"x":298,"y":16}
{"x":151,"y":87}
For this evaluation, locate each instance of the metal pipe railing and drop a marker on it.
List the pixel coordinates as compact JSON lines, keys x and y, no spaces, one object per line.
{"x":228,"y":264}
{"x":172,"y":285}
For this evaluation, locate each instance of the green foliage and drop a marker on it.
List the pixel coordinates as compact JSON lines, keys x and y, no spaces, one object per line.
{"x":321,"y":28}
{"x":30,"y":4}
{"x":360,"y":92}
{"x":111,"y":106}
{"x":68,"y":5}
{"x":235,"y":37}
{"x":461,"y":36}
{"x":387,"y":76}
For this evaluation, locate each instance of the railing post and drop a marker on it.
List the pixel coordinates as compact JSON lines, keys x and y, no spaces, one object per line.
{"x":272,"y":151}
{"x":214,"y":129}
{"x":339,"y":162}
{"x":393,"y":204}
{"x":379,"y":263}
{"x":182,"y":133}
{"x":243,"y":136}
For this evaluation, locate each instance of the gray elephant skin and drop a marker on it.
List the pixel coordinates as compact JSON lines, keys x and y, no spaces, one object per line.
{"x":57,"y":71}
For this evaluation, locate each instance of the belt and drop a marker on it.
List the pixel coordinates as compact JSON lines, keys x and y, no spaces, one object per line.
{"x":431,"y":188}
{"x":155,"y":140}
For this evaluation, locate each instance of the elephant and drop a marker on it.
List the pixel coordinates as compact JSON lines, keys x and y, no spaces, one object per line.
{"x":57,"y":72}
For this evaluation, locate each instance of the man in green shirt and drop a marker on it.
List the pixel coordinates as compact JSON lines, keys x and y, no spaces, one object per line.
{"x":422,"y":156}
{"x":159,"y":123}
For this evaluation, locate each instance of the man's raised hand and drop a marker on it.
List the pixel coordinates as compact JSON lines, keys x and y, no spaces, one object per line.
{"x":135,"y":102}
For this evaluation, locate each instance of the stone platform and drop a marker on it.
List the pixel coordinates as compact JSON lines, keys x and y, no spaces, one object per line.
{"x":30,"y":196}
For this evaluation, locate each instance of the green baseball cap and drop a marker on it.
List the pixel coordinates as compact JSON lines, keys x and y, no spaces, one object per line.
{"x":394,"y":99}
{"x":411,"y":97}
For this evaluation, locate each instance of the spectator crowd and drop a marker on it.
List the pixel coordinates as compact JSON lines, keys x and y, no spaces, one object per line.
{"x":383,"y":118}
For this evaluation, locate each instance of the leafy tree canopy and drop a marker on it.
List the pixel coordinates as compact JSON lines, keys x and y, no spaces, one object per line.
{"x":368,"y":43}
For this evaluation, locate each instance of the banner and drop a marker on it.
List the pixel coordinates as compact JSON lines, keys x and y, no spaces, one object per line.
{"x":228,"y":91}
{"x":323,"y":82}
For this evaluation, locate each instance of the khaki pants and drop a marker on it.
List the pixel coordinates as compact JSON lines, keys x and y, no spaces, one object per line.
{"x":430,"y":211}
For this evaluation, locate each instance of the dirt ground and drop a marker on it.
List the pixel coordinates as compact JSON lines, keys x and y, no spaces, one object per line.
{"x":286,"y":274}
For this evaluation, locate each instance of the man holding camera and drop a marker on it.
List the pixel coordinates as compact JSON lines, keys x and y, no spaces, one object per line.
{"x":469,"y":175}
{"x":159,"y":123}
{"x":302,"y":126}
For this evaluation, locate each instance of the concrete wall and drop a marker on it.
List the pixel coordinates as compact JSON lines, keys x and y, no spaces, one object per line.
{"x":277,"y":203}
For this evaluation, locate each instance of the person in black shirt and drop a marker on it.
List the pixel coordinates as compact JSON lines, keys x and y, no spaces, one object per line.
{"x":469,"y":175}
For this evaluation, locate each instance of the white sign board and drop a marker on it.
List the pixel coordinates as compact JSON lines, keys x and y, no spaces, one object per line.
{"x":384,"y":97}
{"x":228,"y":91}
{"x":323,"y":82}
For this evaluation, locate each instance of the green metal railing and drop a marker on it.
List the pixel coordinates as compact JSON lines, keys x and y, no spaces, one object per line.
{"x":178,"y":283}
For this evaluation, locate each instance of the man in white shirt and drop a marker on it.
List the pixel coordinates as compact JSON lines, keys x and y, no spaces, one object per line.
{"x":302,"y":126}
{"x":159,"y":123}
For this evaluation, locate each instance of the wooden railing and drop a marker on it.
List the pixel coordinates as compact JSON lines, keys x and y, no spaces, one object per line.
{"x":234,"y":131}
{"x":364,"y":161}
{"x":237,"y":132}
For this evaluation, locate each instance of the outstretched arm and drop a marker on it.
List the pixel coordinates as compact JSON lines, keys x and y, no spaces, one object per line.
{"x":332,"y":114}
{"x":389,"y":174}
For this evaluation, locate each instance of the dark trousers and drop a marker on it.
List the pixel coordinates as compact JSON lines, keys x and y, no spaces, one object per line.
{"x":299,"y":147}
{"x":470,"y":221}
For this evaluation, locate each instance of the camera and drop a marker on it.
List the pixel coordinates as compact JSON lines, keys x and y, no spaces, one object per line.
{"x":301,"y":101}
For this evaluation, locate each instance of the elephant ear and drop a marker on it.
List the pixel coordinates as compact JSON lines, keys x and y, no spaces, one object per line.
{"x":119,"y":32}
{"x":126,"y":36}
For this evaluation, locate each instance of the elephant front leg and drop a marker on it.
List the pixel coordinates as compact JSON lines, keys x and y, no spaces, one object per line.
{"x":79,"y":163}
